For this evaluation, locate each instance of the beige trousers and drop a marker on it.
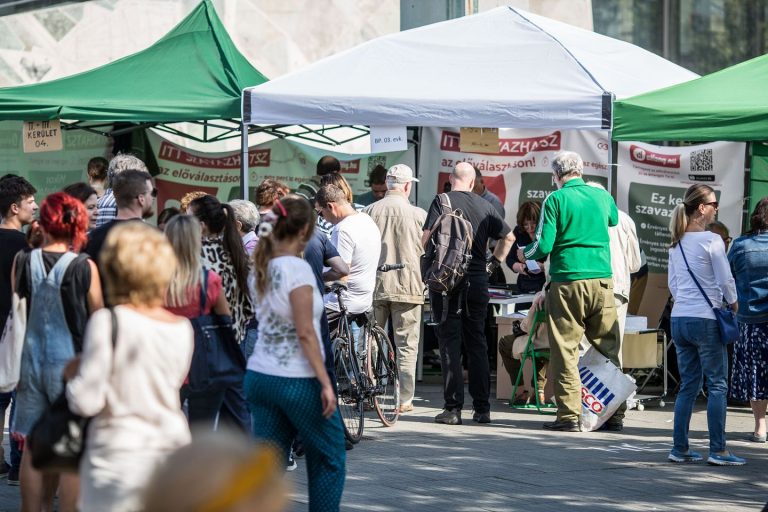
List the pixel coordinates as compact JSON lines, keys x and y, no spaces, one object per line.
{"x":406,"y":324}
{"x":576,"y":309}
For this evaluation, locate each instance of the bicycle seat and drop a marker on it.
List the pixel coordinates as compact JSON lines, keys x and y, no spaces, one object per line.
{"x":336,"y":287}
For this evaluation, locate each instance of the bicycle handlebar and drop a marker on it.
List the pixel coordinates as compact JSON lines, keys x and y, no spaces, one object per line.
{"x":393,"y":266}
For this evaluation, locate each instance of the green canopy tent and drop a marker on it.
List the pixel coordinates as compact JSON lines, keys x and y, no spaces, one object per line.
{"x":731,"y":104}
{"x":194,"y":73}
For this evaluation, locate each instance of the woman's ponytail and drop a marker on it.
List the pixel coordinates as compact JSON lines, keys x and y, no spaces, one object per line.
{"x":678,"y":224}
{"x":233,"y":244}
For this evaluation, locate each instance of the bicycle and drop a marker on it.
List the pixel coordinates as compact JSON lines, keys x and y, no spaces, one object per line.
{"x":370,"y":376}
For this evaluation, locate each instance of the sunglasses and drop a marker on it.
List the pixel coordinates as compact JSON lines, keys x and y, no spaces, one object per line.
{"x":716,"y":204}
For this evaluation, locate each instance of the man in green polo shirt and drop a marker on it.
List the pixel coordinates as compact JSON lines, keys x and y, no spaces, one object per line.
{"x":573,"y":232}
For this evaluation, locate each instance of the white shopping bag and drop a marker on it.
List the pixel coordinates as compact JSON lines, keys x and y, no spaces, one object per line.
{"x":603,"y":389}
{"x":12,"y":343}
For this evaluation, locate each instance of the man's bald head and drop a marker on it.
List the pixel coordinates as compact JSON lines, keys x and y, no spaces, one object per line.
{"x":463,"y":177}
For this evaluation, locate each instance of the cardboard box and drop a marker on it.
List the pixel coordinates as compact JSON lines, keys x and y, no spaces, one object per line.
{"x":640,"y":350}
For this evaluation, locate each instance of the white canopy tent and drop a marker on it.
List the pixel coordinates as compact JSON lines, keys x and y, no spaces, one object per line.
{"x":502,"y":68}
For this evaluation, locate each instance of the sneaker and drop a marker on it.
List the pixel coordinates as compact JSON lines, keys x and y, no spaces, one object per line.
{"x":448,"y":417}
{"x":13,"y":477}
{"x":481,"y":417}
{"x":5,"y":468}
{"x":684,"y":458}
{"x":728,"y":459}
{"x":291,"y":463}
{"x":563,"y":426}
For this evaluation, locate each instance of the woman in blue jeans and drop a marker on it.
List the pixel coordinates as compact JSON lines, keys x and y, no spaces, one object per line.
{"x":287,"y":385}
{"x":749,"y":263}
{"x":698,"y":253}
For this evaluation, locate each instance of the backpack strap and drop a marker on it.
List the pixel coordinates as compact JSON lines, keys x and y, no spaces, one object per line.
{"x":445,"y":203}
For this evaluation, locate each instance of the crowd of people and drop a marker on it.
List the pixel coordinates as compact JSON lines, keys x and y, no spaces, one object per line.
{"x":115,"y":324}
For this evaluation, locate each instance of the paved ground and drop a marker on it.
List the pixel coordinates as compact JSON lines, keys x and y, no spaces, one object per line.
{"x":513,"y":465}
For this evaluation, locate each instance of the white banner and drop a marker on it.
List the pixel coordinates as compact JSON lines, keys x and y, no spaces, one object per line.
{"x":519,"y":172}
{"x":183,"y":170}
{"x":653,"y":179}
{"x":50,"y":171}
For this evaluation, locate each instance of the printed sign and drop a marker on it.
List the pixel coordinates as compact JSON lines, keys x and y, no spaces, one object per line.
{"x":183,"y":170}
{"x":40,"y":136}
{"x":652,"y":180}
{"x":479,"y":140}
{"x":388,"y":138}
{"x":50,"y":172}
{"x":519,"y":170}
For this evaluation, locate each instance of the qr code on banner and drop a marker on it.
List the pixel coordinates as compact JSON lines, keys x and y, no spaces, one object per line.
{"x":701,"y":161}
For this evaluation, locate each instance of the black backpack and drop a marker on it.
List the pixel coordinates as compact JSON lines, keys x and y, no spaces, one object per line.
{"x":448,"y":252}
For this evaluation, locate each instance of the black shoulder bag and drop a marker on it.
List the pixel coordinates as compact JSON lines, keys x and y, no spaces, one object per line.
{"x":726,"y":319}
{"x":217,"y":361}
{"x":57,"y":441}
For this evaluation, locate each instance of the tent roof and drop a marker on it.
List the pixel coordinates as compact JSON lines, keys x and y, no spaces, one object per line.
{"x":193,"y":73}
{"x":502,"y":68}
{"x":731,"y":104}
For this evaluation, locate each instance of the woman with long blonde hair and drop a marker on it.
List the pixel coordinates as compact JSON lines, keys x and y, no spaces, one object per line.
{"x":697,"y":265}
{"x":184,"y":299}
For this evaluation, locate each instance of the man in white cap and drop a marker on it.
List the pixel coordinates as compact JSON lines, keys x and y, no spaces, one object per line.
{"x":399,"y":295}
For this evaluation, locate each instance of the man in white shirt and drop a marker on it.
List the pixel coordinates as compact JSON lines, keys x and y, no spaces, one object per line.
{"x":358,"y":241}
{"x":625,"y":260}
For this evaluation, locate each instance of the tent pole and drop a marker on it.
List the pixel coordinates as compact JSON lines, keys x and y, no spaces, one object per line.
{"x":244,"y":160}
{"x":417,"y":160}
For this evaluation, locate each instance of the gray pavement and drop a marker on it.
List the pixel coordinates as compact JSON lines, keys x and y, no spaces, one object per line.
{"x":514,"y":465}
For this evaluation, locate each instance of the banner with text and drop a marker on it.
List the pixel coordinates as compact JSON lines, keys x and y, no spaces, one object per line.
{"x":50,"y":171}
{"x":520,"y":171}
{"x":183,"y":170}
{"x":653,"y":179}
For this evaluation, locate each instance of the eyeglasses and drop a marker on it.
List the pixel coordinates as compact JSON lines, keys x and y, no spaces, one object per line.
{"x":715,"y":204}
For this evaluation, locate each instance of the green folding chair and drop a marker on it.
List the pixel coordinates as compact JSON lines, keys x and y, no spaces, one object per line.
{"x":532,"y":353}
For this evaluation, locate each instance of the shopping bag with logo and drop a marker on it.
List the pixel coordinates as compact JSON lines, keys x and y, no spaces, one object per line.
{"x":603,"y":389}
{"x":12,"y":343}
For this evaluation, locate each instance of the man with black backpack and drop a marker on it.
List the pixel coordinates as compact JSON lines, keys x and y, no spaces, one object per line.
{"x":459,"y":226}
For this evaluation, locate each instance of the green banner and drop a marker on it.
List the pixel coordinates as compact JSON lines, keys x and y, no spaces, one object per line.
{"x":50,"y":171}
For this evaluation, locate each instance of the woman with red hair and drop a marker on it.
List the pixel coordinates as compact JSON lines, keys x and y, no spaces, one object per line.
{"x":62,"y":289}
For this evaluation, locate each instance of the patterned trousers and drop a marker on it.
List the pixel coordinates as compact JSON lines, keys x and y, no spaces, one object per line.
{"x":281,"y":408}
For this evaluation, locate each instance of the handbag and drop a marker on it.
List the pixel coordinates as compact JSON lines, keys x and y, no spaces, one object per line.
{"x":217,"y":361}
{"x":12,"y":344}
{"x":57,"y":440}
{"x":726,"y":319}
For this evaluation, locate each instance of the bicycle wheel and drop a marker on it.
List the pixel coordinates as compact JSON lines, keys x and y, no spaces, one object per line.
{"x":385,"y":377}
{"x":350,"y":403}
